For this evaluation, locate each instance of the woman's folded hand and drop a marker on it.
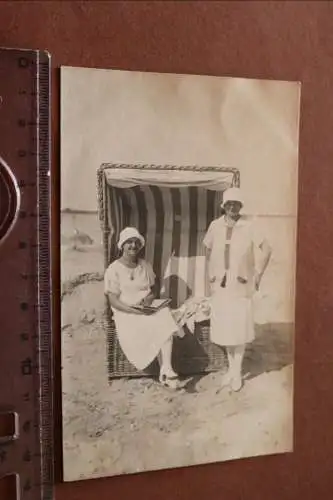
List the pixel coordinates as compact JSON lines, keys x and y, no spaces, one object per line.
{"x":136,"y":310}
{"x":147,"y":301}
{"x":257,"y":281}
{"x":140,"y":309}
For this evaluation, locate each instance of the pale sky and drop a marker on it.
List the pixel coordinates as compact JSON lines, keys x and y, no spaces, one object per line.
{"x":134,"y":117}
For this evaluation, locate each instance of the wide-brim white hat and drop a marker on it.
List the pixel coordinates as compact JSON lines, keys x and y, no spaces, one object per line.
{"x":232,"y":194}
{"x":127,"y":234}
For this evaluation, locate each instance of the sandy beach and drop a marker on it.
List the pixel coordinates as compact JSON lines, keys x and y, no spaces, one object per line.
{"x":132,"y":425}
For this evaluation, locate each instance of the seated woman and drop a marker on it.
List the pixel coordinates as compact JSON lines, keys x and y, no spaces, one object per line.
{"x":129,"y":281}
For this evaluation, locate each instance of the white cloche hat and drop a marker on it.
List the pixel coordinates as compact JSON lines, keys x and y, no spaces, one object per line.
{"x":232,"y":194}
{"x":127,"y":233}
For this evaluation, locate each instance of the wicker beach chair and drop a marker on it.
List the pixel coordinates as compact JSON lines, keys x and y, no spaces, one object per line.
{"x":172,"y":207}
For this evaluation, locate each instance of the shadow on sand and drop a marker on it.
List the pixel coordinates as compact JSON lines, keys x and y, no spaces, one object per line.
{"x":271,"y":350}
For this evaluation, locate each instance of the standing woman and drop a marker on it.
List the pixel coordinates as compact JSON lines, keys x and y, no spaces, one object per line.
{"x":130,"y":281}
{"x":234,"y":271}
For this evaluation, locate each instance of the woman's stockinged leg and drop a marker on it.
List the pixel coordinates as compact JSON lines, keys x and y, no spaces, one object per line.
{"x":228,"y":375}
{"x":166,"y":359}
{"x":238,"y":355}
{"x":233,"y":377}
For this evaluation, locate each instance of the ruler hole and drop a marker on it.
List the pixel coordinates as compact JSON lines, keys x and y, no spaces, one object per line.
{"x":8,"y":426}
{"x":9,"y":200}
{"x":10,"y":487}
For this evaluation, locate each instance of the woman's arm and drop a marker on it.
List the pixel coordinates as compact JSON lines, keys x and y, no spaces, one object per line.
{"x":208,"y":243}
{"x":266,"y":252}
{"x":152,"y":295}
{"x":208,"y":281}
{"x":121,"y":306}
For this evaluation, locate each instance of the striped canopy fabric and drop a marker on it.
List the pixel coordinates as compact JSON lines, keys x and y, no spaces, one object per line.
{"x":172,"y":214}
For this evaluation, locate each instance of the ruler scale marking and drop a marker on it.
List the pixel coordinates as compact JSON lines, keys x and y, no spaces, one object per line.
{"x":25,"y":257}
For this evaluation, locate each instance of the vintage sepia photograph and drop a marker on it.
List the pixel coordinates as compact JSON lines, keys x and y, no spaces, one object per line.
{"x":178,"y":269}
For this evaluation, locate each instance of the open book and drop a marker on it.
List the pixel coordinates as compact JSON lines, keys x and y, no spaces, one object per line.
{"x":155,"y":306}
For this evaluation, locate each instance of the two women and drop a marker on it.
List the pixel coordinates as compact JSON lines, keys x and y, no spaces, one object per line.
{"x":233,"y":245}
{"x":130,"y":283}
{"x":236,"y":256}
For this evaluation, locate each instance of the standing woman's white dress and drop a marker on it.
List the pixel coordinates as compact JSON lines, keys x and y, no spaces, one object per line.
{"x":141,"y":337}
{"x":232,"y":321}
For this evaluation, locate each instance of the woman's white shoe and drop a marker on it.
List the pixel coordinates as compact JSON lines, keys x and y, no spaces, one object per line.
{"x":236,"y":383}
{"x":169,"y":379}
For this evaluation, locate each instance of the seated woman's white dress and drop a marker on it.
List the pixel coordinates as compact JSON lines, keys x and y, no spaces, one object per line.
{"x":141,"y":337}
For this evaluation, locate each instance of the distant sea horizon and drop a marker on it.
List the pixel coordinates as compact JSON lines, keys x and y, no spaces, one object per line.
{"x":94,"y":212}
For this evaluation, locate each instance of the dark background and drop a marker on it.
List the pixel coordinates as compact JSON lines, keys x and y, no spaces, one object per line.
{"x":275,"y":40}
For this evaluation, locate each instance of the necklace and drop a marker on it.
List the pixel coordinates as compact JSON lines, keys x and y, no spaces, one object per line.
{"x":130,"y":267}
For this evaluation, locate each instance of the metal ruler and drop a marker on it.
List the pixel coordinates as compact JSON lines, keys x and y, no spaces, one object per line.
{"x":26,"y":424}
